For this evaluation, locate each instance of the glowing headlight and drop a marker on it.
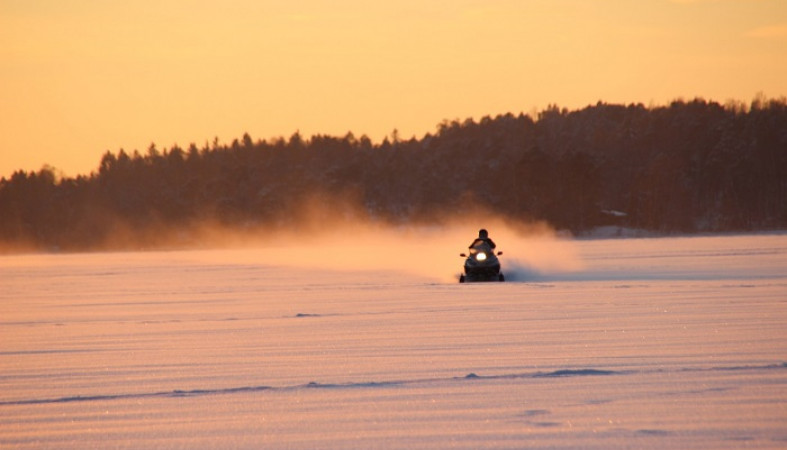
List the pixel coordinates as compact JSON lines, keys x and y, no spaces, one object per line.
{"x":481,"y":256}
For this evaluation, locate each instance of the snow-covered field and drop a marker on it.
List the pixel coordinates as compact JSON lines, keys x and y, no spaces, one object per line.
{"x":630,"y":343}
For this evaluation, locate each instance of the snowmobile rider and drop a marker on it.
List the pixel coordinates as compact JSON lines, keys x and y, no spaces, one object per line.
{"x":483,"y":237}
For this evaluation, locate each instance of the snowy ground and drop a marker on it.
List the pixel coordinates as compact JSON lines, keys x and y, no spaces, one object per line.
{"x":631,"y":343}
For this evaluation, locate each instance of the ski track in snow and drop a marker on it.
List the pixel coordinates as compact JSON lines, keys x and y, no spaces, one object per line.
{"x":646,"y":343}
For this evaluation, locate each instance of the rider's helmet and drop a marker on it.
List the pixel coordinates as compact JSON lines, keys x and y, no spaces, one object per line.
{"x":483,"y":234}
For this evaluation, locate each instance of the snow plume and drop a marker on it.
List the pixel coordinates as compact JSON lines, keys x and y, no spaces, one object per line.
{"x":334,"y":231}
{"x":336,"y":235}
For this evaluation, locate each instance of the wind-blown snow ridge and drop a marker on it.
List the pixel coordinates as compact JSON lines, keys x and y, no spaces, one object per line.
{"x":574,"y":373}
{"x":175,"y":393}
{"x":562,"y":373}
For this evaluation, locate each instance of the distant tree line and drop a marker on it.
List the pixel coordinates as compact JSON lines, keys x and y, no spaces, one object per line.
{"x":691,"y":166}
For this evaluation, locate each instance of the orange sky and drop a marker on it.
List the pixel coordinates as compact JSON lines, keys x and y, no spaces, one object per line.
{"x":81,"y":77}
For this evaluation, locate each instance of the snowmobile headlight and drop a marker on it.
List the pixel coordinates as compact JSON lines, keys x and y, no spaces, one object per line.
{"x":481,"y":256}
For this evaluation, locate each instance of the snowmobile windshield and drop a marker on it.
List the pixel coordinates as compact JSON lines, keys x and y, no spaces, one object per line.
{"x":480,"y":245}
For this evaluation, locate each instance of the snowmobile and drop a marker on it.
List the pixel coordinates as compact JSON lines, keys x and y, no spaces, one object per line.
{"x":481,"y":264}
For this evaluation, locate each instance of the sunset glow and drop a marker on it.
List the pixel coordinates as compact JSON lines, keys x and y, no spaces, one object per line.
{"x":83,"y":77}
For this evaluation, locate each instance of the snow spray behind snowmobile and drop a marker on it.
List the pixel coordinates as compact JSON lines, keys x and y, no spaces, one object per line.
{"x":482,"y":263}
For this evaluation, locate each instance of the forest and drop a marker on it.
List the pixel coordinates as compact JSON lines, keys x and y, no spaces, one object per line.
{"x":687,"y":167}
